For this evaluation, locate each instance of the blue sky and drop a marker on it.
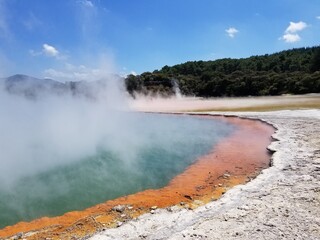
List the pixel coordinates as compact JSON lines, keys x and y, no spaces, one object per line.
{"x":82,"y":39}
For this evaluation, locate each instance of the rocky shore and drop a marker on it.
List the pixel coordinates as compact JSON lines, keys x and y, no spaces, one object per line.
{"x":281,"y":203}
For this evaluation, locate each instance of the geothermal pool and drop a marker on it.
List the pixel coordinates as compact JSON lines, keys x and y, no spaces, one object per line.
{"x":146,"y":155}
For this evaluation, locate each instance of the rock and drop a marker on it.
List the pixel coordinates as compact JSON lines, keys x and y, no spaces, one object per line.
{"x":188,"y":197}
{"x":269,"y":224}
{"x":152,"y":211}
{"x":219,"y":185}
{"x":173,"y":209}
{"x":119,"y":208}
{"x":226,"y":175}
{"x":119,"y":224}
{"x":154,"y":207}
{"x":18,"y":236}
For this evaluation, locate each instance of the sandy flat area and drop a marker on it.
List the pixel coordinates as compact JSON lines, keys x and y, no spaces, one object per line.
{"x":283,"y":202}
{"x":264,"y":103}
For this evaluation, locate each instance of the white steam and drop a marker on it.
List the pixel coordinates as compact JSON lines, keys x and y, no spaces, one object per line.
{"x":53,"y":129}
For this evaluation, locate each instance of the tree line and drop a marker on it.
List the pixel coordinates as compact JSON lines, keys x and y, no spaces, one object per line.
{"x":295,"y":71}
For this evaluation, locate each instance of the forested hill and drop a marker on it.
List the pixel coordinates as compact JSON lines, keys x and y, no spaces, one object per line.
{"x":295,"y":71}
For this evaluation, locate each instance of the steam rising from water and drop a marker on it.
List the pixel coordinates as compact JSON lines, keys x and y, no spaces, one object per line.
{"x":66,"y":152}
{"x":54,"y":129}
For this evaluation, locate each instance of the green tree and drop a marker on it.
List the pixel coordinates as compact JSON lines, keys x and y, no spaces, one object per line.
{"x":315,"y":62}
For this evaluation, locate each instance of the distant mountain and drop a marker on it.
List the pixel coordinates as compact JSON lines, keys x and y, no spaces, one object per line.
{"x":32,"y":88}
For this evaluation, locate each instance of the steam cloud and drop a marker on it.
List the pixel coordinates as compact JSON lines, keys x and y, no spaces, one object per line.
{"x":39,"y":134}
{"x":54,"y":130}
{"x":56,"y":146}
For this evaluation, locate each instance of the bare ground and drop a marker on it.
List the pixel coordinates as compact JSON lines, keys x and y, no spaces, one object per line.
{"x":265,"y":103}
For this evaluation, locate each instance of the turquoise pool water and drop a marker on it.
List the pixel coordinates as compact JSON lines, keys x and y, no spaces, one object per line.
{"x":157,"y":148}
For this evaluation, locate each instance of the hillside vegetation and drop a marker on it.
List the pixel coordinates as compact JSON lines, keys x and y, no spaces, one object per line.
{"x":295,"y":71}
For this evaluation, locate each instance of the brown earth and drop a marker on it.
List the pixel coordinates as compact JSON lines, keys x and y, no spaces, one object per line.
{"x":233,"y":161}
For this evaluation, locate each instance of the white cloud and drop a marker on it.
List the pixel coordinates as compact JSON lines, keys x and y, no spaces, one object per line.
{"x":318,"y":17}
{"x":291,"y":33}
{"x":49,"y":50}
{"x":296,"y":27}
{"x":86,"y":3}
{"x":232,"y":32}
{"x":291,"y":37}
{"x":72,"y":72}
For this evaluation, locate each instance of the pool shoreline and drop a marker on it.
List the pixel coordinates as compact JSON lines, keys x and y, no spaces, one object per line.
{"x":200,"y":183}
{"x":280,"y":203}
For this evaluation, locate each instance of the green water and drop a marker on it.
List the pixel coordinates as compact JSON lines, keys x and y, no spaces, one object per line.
{"x":162,"y":148}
